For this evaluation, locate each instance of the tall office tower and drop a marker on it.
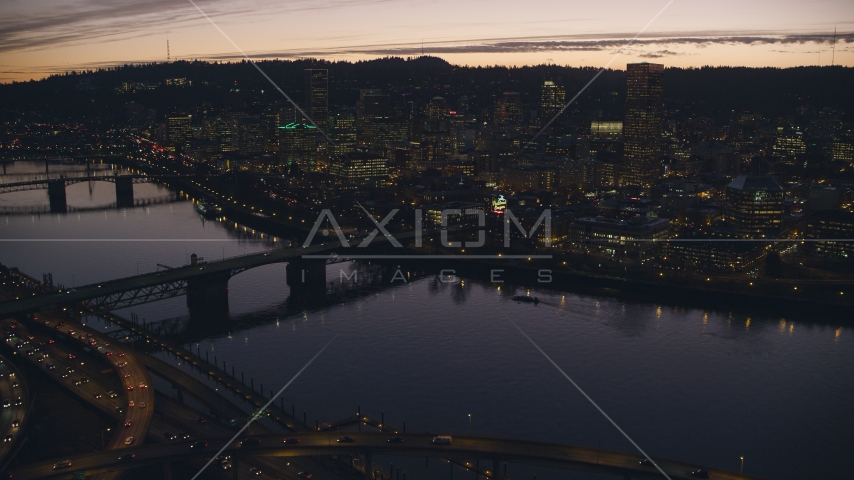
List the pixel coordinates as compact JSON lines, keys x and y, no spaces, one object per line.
{"x":642,"y":128}
{"x":342,"y":130}
{"x":552,"y":100}
{"x":179,"y":130}
{"x":298,"y":145}
{"x":508,"y":109}
{"x":317,"y":95}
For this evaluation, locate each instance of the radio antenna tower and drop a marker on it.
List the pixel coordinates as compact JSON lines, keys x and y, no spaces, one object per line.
{"x":168,"y":56}
{"x":833,"y":57}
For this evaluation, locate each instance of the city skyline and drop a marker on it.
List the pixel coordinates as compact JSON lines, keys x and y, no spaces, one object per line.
{"x":87,"y":35}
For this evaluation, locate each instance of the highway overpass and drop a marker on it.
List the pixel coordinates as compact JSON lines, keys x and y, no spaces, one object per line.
{"x":415,"y":445}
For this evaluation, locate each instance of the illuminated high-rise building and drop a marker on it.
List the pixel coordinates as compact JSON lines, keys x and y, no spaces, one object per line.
{"x":553,"y":98}
{"x":179,"y":130}
{"x":754,"y":205}
{"x":297,"y":145}
{"x":317,"y":95}
{"x":642,"y":127}
{"x":508,"y":109}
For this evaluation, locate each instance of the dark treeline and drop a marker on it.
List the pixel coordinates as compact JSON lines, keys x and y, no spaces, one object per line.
{"x":92,"y":97}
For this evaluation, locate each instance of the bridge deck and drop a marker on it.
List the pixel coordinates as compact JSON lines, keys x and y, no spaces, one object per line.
{"x":420,"y":445}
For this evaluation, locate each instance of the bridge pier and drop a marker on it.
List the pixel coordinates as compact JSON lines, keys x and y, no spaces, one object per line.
{"x":369,"y":466}
{"x":307,"y":274}
{"x":124,"y":192}
{"x":56,"y":196}
{"x":207,"y":296}
{"x":495,"y":468}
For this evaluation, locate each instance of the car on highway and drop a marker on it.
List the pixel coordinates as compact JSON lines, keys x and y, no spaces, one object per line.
{"x":128,"y":423}
{"x":700,"y":473}
{"x":14,"y":384}
{"x":18,"y":402}
{"x":6,"y":403}
{"x":127,"y":456}
{"x":201,"y":419}
{"x":346,"y":439}
{"x":142,"y":385}
{"x":131,"y":404}
{"x":112,"y":394}
{"x":50,"y":366}
{"x":130,"y":387}
{"x":183,"y":436}
{"x":7,"y":438}
{"x":305,"y":474}
{"x":62,"y":464}
{"x":121,"y":354}
{"x":16,"y":423}
{"x":291,"y":440}
{"x":121,"y":364}
{"x":69,"y":370}
{"x":128,"y":440}
{"x":200,"y":444}
{"x":395,"y":439}
{"x":249,"y":441}
{"x":98,"y":395}
{"x":127,"y":375}
{"x":120,"y":410}
{"x":442,"y":440}
{"x":141,"y":404}
{"x":84,"y":379}
{"x":255,"y":471}
{"x":646,"y":463}
{"x":169,"y":436}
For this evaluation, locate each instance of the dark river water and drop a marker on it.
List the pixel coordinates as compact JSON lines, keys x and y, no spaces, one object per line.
{"x":693,"y":385}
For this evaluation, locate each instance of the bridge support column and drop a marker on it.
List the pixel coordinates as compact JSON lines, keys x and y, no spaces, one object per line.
{"x":369,"y":467}
{"x":207,"y":296}
{"x":495,"y":468}
{"x":307,"y":279}
{"x":305,"y":273}
{"x":124,"y":192}
{"x":56,"y":196}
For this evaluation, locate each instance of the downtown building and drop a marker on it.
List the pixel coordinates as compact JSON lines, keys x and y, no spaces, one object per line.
{"x":298,"y":146}
{"x":754,"y":205}
{"x":552,"y":100}
{"x":642,"y":126}
{"x":637,"y":238}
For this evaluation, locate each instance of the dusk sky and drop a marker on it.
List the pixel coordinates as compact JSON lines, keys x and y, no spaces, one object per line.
{"x":41,"y":37}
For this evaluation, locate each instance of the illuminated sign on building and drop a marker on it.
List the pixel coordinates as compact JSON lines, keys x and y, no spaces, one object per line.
{"x":499,"y":204}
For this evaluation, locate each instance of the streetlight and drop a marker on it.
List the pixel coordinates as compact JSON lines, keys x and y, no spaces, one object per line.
{"x":469,"y":422}
{"x":741,"y":470}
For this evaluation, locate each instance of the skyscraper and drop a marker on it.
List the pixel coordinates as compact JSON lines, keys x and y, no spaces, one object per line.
{"x":179,"y":130}
{"x":552,"y":100}
{"x":317,"y":95}
{"x":642,"y":127}
{"x":298,"y":145}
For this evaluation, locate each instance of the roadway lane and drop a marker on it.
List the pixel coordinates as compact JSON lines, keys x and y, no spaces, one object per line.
{"x":14,"y":416}
{"x":134,"y":377}
{"x":515,"y":451}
